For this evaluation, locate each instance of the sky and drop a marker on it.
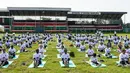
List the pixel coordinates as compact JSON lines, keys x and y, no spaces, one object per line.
{"x":75,"y":5}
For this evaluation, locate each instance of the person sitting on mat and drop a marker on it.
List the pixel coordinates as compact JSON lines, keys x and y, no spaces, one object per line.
{"x":101,"y":47}
{"x":12,"y":52}
{"x":22,"y":48}
{"x":27,"y":44}
{"x":14,"y":41}
{"x":77,"y":43}
{"x":126,"y":43}
{"x":115,"y":41}
{"x":120,"y":46}
{"x":41,"y":50}
{"x":128,"y":40}
{"x":82,"y":47}
{"x":94,"y":60}
{"x":37,"y":58}
{"x":86,"y":40}
{"x":30,"y":43}
{"x":109,"y":43}
{"x":59,"y":43}
{"x":0,"y":42}
{"x":124,"y":58}
{"x":4,"y":58}
{"x":62,"y":51}
{"x":128,"y":51}
{"x":107,"y":52}
{"x":65,"y":58}
{"x":7,"y":44}
{"x":91,"y":42}
{"x":90,"y":51}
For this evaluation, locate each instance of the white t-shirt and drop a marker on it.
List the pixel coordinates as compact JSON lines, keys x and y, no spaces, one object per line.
{"x":37,"y":56}
{"x":107,"y":50}
{"x":115,"y":41}
{"x":0,"y":44}
{"x":101,"y":47}
{"x":12,"y":50}
{"x":91,"y":43}
{"x":77,"y":43}
{"x":90,"y":51}
{"x":23,"y":46}
{"x":94,"y":59}
{"x":41,"y":50}
{"x":65,"y":56}
{"x":14,"y":41}
{"x":82,"y":47}
{"x":4,"y":56}
{"x":7,"y":43}
{"x":128,"y":51}
{"x":123,"y":56}
{"x":61,"y":51}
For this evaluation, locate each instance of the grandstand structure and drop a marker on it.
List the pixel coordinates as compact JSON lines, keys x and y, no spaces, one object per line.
{"x":45,"y":19}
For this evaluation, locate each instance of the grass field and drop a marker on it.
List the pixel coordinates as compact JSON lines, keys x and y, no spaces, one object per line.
{"x":52,"y":62}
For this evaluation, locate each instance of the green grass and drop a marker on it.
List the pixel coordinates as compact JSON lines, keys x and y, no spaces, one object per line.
{"x":52,"y":62}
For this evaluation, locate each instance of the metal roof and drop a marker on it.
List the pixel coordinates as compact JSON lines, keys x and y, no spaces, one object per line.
{"x":50,"y":11}
{"x":4,"y":10}
{"x":102,"y":15}
{"x":39,"y":8}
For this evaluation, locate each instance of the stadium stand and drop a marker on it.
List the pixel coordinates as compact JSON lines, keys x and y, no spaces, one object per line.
{"x":105,"y":21}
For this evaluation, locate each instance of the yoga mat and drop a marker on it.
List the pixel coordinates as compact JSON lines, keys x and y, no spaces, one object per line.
{"x":44,"y":57}
{"x":117,"y":62}
{"x":112,"y":56}
{"x":18,"y":51}
{"x":86,"y":55}
{"x":6,"y":66}
{"x":71,"y":64}
{"x":58,"y":56}
{"x":80,"y":50}
{"x":95,"y":66}
{"x":16,"y":57}
{"x":58,"y":50}
{"x":40,"y":66}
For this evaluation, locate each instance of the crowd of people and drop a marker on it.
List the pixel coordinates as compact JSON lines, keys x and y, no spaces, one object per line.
{"x":97,"y":43}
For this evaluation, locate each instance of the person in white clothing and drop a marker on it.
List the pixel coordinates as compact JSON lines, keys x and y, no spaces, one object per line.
{"x":101,"y":47}
{"x":12,"y":52}
{"x":90,"y":51}
{"x":4,"y":58}
{"x":41,"y":50}
{"x":65,"y":58}
{"x":115,"y":41}
{"x":77,"y":43}
{"x":128,"y":51}
{"x":124,"y":58}
{"x":62,"y":51}
{"x":94,"y":60}
{"x":82,"y":47}
{"x":7,"y":43}
{"x":22,"y":48}
{"x":37,"y":58}
{"x":108,"y":52}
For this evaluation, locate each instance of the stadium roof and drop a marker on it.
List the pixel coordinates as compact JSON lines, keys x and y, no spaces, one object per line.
{"x":38,"y":11}
{"x":50,"y":11}
{"x":102,"y":15}
{"x":39,"y":8}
